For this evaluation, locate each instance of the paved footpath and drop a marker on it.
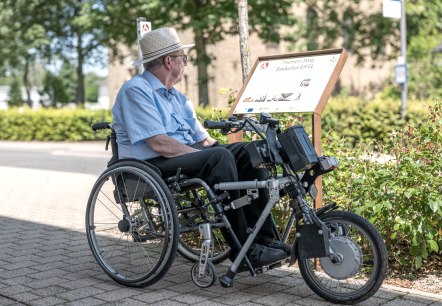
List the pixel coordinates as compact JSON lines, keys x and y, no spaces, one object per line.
{"x":45,"y":258}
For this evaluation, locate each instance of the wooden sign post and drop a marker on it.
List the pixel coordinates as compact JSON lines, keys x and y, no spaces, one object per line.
{"x":291,"y":83}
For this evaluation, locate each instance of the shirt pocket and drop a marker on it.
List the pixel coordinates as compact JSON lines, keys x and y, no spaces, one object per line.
{"x":184,"y":124}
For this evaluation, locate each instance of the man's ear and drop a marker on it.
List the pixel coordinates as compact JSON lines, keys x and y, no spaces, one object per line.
{"x":167,"y":62}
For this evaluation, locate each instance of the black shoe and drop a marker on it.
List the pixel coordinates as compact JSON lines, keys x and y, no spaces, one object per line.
{"x":274,"y":244}
{"x":260,"y":255}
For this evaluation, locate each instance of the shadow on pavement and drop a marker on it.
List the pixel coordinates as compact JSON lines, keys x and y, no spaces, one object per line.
{"x":46,"y":265}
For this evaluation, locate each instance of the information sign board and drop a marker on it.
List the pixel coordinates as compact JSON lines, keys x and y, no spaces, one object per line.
{"x":300,"y":82}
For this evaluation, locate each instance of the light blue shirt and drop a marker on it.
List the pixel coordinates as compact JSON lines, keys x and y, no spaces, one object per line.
{"x":145,"y":108}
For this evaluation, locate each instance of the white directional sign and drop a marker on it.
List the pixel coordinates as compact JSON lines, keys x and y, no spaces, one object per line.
{"x":145,"y":26}
{"x":391,"y":9}
{"x":401,"y":73}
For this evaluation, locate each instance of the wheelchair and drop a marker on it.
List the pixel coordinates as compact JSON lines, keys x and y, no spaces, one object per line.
{"x":137,"y":220}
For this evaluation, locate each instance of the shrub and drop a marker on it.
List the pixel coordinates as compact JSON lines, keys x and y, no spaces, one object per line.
{"x":50,"y":124}
{"x":363,"y":122}
{"x":399,"y":189}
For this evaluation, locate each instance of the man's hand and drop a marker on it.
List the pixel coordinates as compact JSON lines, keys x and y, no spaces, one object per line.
{"x":167,"y":146}
{"x":207,"y":142}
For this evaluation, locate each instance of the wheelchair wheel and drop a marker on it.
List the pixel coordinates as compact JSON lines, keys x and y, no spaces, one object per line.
{"x":191,"y":212}
{"x":131,"y":224}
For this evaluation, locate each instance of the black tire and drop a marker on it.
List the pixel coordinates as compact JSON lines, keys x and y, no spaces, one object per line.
{"x":358,"y":277}
{"x":191,"y":212}
{"x":131,"y":224}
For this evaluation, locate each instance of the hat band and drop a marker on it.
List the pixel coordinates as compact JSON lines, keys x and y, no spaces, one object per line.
{"x":162,"y":51}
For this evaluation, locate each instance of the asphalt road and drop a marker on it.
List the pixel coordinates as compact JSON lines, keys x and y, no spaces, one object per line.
{"x":84,"y":157}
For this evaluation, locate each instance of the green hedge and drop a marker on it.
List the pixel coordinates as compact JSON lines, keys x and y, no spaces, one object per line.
{"x":359,"y":121}
{"x":50,"y":124}
{"x":355,"y":120}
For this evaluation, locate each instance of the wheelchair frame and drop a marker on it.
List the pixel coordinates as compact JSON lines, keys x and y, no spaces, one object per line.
{"x":180,"y":182}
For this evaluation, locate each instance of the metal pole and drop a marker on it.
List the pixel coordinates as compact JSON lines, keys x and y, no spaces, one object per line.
{"x":403,"y":28}
{"x":243,"y":22}
{"x":139,"y":19}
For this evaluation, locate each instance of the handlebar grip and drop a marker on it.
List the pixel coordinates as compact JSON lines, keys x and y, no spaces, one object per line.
{"x":223,"y":125}
{"x":100,"y":126}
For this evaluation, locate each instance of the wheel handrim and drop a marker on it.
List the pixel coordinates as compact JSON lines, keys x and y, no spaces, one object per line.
{"x":121,"y":254}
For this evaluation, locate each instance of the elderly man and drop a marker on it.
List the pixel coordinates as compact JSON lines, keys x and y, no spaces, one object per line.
{"x":157,"y":123}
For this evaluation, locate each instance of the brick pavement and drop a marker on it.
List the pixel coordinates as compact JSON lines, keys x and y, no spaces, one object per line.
{"x":45,"y":258}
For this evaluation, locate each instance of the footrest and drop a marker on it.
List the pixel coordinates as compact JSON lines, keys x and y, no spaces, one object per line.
{"x":272,"y":266}
{"x":259,"y":270}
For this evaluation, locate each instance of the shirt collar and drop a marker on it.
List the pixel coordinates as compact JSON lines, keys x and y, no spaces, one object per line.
{"x":156,"y":84}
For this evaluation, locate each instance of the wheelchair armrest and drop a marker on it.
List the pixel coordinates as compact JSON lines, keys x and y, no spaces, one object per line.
{"x":138,"y":161}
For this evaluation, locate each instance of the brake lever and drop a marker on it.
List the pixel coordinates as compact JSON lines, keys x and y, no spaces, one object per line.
{"x":108,"y":138}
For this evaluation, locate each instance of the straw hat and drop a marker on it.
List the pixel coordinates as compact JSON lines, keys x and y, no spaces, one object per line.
{"x":157,"y":43}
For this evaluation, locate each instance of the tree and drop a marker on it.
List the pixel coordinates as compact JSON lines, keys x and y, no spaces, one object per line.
{"x":243,"y":29}
{"x":22,"y":37}
{"x":76,"y":28}
{"x":15,"y":98}
{"x":64,"y":30}
{"x":355,"y":25}
{"x":92,"y":87}
{"x":59,"y":88}
{"x":209,"y":20}
{"x":425,"y":66}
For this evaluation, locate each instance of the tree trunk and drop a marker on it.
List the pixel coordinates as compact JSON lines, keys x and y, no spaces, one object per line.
{"x":79,"y":95}
{"x":202,"y":60}
{"x":26,"y":83}
{"x":243,"y":23}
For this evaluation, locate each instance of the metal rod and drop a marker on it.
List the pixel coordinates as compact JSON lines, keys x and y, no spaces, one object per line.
{"x":403,"y":27}
{"x":139,"y":19}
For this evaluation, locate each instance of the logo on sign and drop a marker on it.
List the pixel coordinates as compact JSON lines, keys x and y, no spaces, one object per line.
{"x":264,"y":65}
{"x":249,"y":110}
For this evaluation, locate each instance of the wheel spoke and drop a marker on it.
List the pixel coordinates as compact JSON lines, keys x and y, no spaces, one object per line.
{"x":362,"y":267}
{"x":129,"y":235}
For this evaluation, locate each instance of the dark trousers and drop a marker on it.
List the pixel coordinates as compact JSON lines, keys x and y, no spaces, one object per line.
{"x":227,"y":163}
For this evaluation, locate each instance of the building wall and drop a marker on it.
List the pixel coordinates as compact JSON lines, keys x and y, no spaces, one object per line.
{"x":4,"y":96}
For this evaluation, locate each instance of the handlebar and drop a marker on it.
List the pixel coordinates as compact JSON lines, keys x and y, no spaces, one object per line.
{"x":234,"y":126}
{"x":248,"y":124}
{"x":223,"y":125}
{"x":101,"y":126}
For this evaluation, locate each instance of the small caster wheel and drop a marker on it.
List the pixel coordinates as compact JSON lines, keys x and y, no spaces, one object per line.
{"x":209,"y":277}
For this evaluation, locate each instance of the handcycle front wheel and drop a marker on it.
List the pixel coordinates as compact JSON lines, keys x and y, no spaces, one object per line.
{"x":131,"y":224}
{"x":362,"y":264}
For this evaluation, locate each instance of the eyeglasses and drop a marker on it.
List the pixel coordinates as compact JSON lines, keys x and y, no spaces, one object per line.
{"x":184,"y":56}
